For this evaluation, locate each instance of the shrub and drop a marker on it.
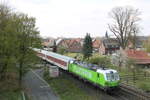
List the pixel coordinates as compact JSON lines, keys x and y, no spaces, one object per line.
{"x":144,"y":86}
{"x":101,"y":60}
{"x":62,"y":50}
{"x":46,"y":75}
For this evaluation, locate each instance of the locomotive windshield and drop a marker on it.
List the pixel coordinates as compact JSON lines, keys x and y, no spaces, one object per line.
{"x":112,"y":76}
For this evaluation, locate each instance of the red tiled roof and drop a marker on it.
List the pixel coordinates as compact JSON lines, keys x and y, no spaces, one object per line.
{"x":141,"y":57}
{"x":96,"y":43}
{"x":78,"y":39}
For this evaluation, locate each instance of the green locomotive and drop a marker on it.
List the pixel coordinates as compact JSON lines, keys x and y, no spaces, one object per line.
{"x":107,"y":79}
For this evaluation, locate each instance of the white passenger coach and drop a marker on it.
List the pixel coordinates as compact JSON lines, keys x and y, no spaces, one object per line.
{"x":54,"y":58}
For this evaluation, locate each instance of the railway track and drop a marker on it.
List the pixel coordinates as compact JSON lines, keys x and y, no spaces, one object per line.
{"x":121,"y":95}
{"x":135,"y":92}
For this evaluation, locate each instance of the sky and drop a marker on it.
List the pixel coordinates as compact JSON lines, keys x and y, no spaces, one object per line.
{"x":75,"y":18}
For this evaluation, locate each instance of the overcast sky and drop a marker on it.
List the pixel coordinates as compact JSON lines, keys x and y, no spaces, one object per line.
{"x":74,"y":18}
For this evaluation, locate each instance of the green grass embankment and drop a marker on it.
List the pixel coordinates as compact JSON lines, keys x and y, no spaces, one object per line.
{"x":10,"y":95}
{"x":67,"y":89}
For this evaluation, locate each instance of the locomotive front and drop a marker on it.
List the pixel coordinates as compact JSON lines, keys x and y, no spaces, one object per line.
{"x":110,"y":79}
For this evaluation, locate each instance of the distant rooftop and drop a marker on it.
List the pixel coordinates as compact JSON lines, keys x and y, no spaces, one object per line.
{"x":140,"y":57}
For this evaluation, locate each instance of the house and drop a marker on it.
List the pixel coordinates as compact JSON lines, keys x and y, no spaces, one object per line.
{"x":70,"y":44}
{"x":139,"y":40}
{"x":62,"y":43}
{"x":48,"y":43}
{"x":75,"y":46}
{"x":108,"y":46}
{"x":140,"y":57}
{"x":96,"y":44}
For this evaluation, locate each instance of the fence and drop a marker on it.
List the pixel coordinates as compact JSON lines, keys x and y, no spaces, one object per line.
{"x":128,"y":78}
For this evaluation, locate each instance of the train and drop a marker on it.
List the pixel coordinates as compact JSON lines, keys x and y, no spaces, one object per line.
{"x":104,"y":78}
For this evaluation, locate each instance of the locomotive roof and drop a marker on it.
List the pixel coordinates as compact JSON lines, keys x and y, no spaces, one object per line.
{"x":94,"y":67}
{"x":89,"y":65}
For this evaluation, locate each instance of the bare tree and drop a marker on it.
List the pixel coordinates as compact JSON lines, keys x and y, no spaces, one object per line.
{"x":146,"y":44}
{"x":133,"y":38}
{"x":124,"y":24}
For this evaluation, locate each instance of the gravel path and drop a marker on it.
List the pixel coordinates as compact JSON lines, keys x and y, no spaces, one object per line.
{"x":37,"y":88}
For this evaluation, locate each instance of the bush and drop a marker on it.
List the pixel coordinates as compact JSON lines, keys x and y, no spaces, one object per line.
{"x":62,"y":50}
{"x":144,"y":86}
{"x":46,"y":75}
{"x":101,"y":60}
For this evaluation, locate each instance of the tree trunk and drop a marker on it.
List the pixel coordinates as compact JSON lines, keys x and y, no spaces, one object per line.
{"x":20,"y":73}
{"x":3,"y":72}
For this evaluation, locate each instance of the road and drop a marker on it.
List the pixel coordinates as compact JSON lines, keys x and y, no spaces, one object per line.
{"x":37,"y":88}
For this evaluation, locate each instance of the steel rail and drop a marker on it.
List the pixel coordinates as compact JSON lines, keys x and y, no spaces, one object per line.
{"x":140,"y":94}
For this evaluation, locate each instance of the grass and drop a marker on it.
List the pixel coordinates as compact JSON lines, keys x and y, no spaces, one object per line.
{"x":10,"y":95}
{"x":141,"y":83}
{"x":67,"y":89}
